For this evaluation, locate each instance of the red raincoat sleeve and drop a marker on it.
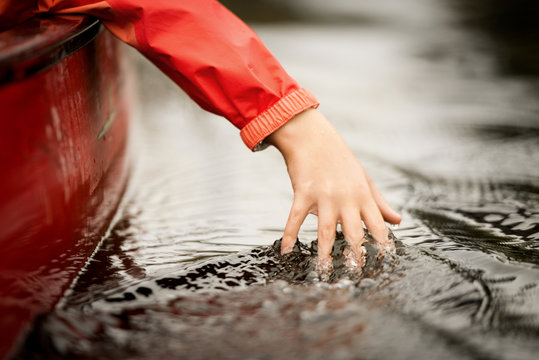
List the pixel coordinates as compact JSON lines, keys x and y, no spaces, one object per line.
{"x":210,"y":53}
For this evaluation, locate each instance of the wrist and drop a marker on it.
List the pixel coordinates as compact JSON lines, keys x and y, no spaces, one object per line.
{"x":292,"y":134}
{"x":308,"y":130}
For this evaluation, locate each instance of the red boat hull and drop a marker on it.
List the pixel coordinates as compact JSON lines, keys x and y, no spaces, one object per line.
{"x":63,"y":137}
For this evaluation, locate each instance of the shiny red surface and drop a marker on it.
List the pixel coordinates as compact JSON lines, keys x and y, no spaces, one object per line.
{"x":63,"y":135}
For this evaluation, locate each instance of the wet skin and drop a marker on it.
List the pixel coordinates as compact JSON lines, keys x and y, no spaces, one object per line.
{"x":330,"y":182}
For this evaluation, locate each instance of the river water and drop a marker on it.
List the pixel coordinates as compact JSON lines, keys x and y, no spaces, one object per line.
{"x":448,"y":131}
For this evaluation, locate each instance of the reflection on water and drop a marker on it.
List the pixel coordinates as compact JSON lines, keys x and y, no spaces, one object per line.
{"x":190,"y":271}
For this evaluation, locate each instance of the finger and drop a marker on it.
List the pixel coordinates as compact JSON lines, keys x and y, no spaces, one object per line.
{"x":327,"y":225}
{"x":297,"y":215}
{"x":353,"y":230}
{"x":375,"y":223}
{"x":386,"y":210}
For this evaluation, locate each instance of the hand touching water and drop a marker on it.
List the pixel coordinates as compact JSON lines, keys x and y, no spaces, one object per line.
{"x":330,"y":182}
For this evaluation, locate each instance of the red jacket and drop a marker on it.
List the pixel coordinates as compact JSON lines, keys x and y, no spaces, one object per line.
{"x":210,"y":53}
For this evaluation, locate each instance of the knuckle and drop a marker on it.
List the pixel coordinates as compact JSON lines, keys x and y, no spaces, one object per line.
{"x":295,"y":216}
{"x":331,"y":191}
{"x":325,"y":192}
{"x":303,"y":190}
{"x":363,"y":191}
{"x":326,"y":231}
{"x":325,"y":245}
{"x":355,"y":235}
{"x":289,"y":235}
{"x":380,"y":233}
{"x":377,"y":229}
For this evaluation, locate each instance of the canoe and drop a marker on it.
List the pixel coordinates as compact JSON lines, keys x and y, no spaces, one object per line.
{"x":64,"y":115}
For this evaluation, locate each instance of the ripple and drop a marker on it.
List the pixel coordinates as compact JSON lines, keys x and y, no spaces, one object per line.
{"x":276,"y":299}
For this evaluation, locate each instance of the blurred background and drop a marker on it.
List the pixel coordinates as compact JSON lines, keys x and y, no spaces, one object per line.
{"x":512,"y":26}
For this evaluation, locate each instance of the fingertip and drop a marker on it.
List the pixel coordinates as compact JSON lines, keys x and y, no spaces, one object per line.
{"x":286,"y":250}
{"x":295,"y":219}
{"x":353,"y":230}
{"x":287,"y":245}
{"x":391,"y":216}
{"x":396,"y":220}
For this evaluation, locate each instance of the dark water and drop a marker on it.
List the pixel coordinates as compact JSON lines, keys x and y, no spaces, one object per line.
{"x":449,"y":131}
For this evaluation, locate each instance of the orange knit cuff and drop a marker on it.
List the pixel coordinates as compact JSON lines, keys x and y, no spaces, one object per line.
{"x":276,"y":116}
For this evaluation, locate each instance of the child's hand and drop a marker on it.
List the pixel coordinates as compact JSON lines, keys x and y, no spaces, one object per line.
{"x":329,"y":181}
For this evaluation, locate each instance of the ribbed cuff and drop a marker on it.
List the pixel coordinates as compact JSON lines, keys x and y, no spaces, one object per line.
{"x":276,"y":116}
